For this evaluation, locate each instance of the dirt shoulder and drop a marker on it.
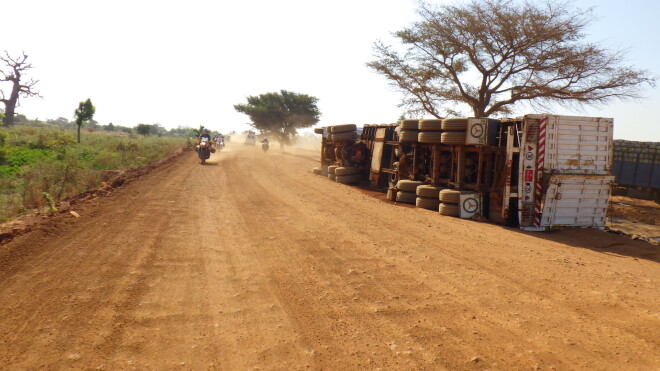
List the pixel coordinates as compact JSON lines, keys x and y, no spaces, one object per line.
{"x":41,"y":218}
{"x":637,"y":218}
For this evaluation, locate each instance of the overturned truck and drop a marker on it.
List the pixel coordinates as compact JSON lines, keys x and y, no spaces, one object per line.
{"x":536,"y":172}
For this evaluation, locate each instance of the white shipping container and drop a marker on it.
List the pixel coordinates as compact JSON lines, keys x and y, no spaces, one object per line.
{"x":576,"y":201}
{"x":564,"y":171}
{"x":578,"y":145}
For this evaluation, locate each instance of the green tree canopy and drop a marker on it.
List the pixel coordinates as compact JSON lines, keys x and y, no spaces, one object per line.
{"x":493,"y":54}
{"x":84,"y":113}
{"x":153,"y":129}
{"x":143,"y":129}
{"x":281,"y":114}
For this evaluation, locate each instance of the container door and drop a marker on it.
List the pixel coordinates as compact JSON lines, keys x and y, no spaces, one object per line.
{"x":576,"y":201}
{"x":578,"y":145}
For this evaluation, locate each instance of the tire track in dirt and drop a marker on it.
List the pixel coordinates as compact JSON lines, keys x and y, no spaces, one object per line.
{"x":399,"y":276}
{"x":536,"y":295}
{"x":253,"y":262}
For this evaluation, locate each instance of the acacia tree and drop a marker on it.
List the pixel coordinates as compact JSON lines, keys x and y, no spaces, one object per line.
{"x":84,"y":113}
{"x":143,"y":129}
{"x":12,"y":72}
{"x":281,"y":114}
{"x":494,"y":54}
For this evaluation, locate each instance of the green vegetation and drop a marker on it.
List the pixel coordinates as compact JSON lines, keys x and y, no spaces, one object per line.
{"x":281,"y":114}
{"x":42,"y":164}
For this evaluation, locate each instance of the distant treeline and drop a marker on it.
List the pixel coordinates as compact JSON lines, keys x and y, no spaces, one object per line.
{"x":143,"y":129}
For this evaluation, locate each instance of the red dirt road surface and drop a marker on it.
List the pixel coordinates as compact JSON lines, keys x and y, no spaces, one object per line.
{"x":253,"y":262}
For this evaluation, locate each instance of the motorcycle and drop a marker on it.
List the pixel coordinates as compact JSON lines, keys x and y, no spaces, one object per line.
{"x":220,"y":144}
{"x":264,"y":146}
{"x":204,"y":150}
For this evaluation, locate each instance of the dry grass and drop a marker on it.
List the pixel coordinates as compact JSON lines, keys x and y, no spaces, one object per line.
{"x":39,"y":166}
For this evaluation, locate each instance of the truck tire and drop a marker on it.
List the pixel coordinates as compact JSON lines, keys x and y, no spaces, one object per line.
{"x":455,"y":124}
{"x":406,"y":197}
{"x":342,"y":137}
{"x":408,"y":136}
{"x":430,"y":125}
{"x":406,"y":185}
{"x":427,"y":203}
{"x":332,"y":168}
{"x":343,"y":128}
{"x":448,"y":209}
{"x":409,"y":124}
{"x":453,"y":137}
{"x":346,"y":171}
{"x":450,"y":196}
{"x":317,"y":171}
{"x":429,"y":137}
{"x":318,"y":130}
{"x":348,"y":179}
{"x":429,"y":191}
{"x":331,"y":176}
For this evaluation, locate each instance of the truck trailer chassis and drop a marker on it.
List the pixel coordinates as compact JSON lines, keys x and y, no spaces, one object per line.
{"x":536,"y":172}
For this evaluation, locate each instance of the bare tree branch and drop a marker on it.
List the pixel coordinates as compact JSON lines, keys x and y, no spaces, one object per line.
{"x":494,"y":54}
{"x":13,"y":73}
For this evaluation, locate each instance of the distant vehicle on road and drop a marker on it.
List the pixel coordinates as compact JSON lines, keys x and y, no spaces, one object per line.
{"x":251,"y":138}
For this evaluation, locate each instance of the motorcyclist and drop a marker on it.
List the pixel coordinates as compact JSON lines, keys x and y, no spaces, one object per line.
{"x":205,"y":134}
{"x":264,"y":144}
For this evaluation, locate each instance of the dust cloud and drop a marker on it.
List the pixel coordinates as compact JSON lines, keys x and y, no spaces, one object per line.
{"x":304,"y":144}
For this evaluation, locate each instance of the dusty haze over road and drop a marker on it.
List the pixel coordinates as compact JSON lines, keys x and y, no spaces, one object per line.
{"x":253,"y":262}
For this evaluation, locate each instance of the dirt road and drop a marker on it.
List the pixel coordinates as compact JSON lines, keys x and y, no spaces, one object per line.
{"x":253,"y":262}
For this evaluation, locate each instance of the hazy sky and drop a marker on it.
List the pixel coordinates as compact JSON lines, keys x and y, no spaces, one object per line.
{"x":188,"y":62}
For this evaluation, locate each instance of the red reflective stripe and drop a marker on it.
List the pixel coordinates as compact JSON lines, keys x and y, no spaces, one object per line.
{"x":540,"y":164}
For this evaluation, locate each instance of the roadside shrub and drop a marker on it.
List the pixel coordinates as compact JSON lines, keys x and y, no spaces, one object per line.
{"x":53,"y":140}
{"x":107,"y":160}
{"x":36,"y":180}
{"x":39,"y":161}
{"x":10,"y":200}
{"x":14,"y":159}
